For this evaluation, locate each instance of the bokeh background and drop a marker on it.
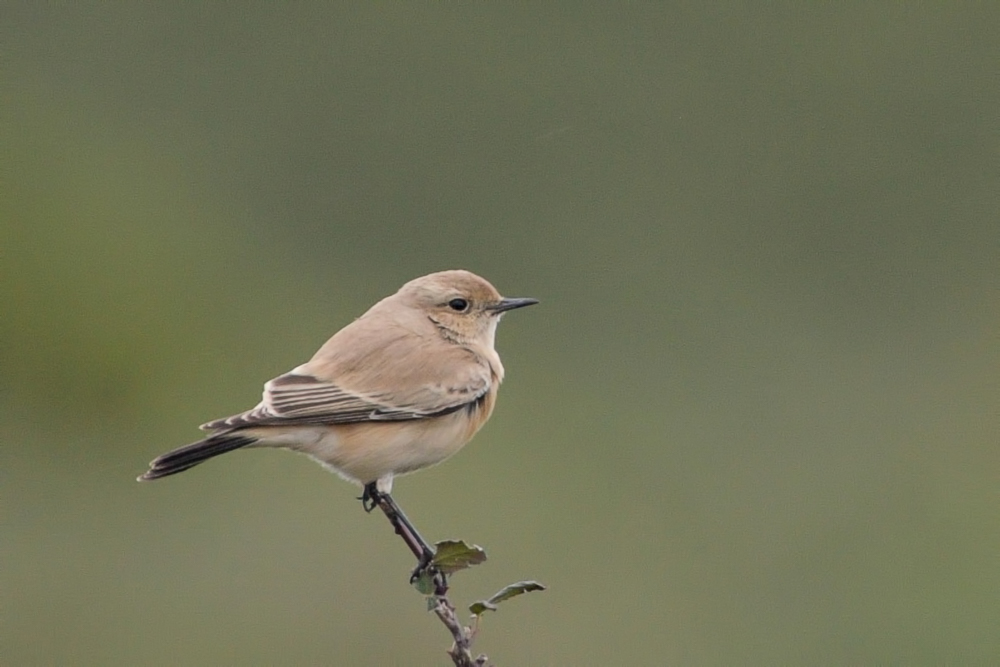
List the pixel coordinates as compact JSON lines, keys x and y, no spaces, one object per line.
{"x":754,"y":421}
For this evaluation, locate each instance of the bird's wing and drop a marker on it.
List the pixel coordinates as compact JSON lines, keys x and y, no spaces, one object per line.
{"x":299,"y":397}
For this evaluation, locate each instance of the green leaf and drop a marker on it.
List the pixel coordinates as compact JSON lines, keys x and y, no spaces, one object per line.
{"x":506,"y":593}
{"x":451,"y":556}
{"x":513,"y":590}
{"x":479,"y":606}
{"x":424,"y":583}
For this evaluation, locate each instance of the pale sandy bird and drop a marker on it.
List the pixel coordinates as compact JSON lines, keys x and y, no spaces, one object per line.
{"x":403,"y":387}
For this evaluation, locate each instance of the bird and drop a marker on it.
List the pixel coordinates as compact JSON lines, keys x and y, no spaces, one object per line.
{"x":399,"y":389}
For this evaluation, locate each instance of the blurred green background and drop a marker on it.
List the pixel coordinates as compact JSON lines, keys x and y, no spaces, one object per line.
{"x":754,"y":421}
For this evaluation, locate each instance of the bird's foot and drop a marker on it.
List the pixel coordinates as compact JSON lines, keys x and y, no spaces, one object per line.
{"x":370,"y":497}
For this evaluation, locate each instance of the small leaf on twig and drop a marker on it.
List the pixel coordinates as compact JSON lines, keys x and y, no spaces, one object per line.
{"x":424,"y":583}
{"x":451,"y":556}
{"x":508,"y":592}
{"x":479,"y":606}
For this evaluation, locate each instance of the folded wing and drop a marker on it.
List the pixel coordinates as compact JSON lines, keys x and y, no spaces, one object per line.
{"x":298,"y":398}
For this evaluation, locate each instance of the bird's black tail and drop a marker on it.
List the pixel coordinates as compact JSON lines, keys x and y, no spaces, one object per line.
{"x":191,"y":455}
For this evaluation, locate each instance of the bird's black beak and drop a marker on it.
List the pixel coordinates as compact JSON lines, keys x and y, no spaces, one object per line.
{"x":511,"y":304}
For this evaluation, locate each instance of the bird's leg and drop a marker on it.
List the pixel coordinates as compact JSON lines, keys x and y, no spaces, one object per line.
{"x":369,"y":497}
{"x":420,"y":548}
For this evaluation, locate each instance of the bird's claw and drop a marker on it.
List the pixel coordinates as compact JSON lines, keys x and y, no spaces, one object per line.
{"x":369,"y":497}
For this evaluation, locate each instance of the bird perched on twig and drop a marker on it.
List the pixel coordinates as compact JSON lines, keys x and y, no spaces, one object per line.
{"x":403,"y":387}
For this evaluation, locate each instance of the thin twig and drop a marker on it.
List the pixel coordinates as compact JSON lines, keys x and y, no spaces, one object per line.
{"x":460,"y":652}
{"x":416,"y":543}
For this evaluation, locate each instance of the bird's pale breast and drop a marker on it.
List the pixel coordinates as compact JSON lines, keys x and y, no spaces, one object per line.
{"x":367,"y":451}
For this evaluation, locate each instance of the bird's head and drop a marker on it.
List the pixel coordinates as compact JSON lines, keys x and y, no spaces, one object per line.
{"x":465,"y":307}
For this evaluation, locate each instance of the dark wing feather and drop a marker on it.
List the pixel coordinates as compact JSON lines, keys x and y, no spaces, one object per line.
{"x":296,"y":398}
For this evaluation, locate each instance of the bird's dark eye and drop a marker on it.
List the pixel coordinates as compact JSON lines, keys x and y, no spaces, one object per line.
{"x":460,"y":305}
